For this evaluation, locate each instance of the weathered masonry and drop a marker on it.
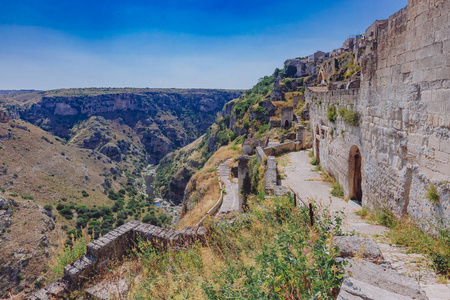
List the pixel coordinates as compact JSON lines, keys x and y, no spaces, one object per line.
{"x":400,"y":147}
{"x":113,"y":246}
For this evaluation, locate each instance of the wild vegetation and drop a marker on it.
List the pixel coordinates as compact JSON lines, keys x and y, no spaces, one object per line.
{"x":270,"y":252}
{"x":175,"y":170}
{"x":350,"y":116}
{"x":405,"y":232}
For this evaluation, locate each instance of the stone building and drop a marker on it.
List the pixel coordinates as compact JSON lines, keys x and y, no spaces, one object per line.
{"x":4,"y":116}
{"x":317,"y":55}
{"x":274,"y":122}
{"x":400,"y":147}
{"x":287,"y":116}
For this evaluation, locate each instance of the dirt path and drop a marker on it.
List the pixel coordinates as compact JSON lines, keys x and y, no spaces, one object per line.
{"x":230,"y":199}
{"x":299,"y":175}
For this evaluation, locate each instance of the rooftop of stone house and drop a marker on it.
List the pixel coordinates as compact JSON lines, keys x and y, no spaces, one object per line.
{"x":318,"y":89}
{"x":280,"y":103}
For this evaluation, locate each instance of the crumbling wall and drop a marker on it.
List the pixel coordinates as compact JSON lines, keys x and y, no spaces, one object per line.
{"x":271,"y":175}
{"x":113,"y":246}
{"x":287,"y":116}
{"x":282,"y":148}
{"x":243,"y":177}
{"x":404,"y":128}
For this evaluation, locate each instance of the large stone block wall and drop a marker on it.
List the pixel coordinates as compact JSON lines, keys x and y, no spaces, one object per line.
{"x":404,"y":104}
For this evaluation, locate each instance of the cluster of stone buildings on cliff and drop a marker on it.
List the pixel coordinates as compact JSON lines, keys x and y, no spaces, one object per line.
{"x":400,"y":147}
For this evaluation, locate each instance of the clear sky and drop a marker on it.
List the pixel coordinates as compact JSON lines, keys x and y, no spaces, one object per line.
{"x":46,"y":44}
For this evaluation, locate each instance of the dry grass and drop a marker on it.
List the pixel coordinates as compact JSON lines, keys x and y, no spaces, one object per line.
{"x":36,"y":163}
{"x":283,"y":160}
{"x":231,"y":260}
{"x":205,"y":188}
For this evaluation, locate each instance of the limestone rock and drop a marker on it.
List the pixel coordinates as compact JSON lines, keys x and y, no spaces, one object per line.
{"x":112,"y":151}
{"x":351,"y":246}
{"x":353,"y":289}
{"x":383,"y":277}
{"x":4,"y":116}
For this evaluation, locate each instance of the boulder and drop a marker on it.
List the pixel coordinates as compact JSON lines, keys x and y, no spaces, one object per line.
{"x":353,"y":289}
{"x":353,"y":246}
{"x":112,"y":151}
{"x":382,"y":277}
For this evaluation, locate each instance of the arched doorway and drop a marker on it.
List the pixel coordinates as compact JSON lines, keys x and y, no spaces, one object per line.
{"x":286,"y":124}
{"x":320,"y":78}
{"x":355,"y":176}
{"x":317,"y":144}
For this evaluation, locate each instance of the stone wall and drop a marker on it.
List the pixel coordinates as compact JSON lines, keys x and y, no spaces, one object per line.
{"x":402,"y":141}
{"x":243,"y":172}
{"x":271,"y":175}
{"x":260,"y":155}
{"x":283,"y":148}
{"x":113,"y":246}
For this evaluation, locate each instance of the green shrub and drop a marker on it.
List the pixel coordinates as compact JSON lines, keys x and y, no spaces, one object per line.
{"x":48,"y":207}
{"x":84,"y":193}
{"x":69,"y":253}
{"x":27,"y":197}
{"x":432,"y":194}
{"x":349,"y":116}
{"x":66,"y":213}
{"x":387,"y":218}
{"x":337,"y":190}
{"x":331,"y":113}
{"x":38,"y":284}
{"x":268,"y":253}
{"x":81,"y":222}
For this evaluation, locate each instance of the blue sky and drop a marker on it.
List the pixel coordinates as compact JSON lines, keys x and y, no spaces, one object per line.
{"x":171,"y":43}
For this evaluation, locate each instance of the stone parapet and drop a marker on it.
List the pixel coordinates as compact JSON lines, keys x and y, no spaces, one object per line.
{"x":262,"y":157}
{"x":113,"y":246}
{"x":271,"y":175}
{"x":282,"y":148}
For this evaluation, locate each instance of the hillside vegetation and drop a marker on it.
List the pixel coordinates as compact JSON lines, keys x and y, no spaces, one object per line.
{"x":270,"y":252}
{"x":162,"y":119}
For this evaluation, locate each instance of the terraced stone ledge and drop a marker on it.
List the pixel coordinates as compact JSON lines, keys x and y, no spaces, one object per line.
{"x":113,"y":246}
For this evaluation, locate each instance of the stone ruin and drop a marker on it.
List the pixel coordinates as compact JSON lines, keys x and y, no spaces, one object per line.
{"x":274,"y":122}
{"x":113,"y":246}
{"x":287,"y":116}
{"x":399,"y":145}
{"x":249,"y":145}
{"x":243,"y":172}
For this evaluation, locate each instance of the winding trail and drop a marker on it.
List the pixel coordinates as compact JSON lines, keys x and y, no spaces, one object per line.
{"x":231,"y":197}
{"x":300,"y":176}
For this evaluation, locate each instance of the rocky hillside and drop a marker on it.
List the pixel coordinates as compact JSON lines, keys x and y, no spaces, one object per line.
{"x":163,"y":119}
{"x":250,"y":116}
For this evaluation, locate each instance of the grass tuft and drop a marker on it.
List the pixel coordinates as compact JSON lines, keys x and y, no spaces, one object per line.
{"x":432,"y":194}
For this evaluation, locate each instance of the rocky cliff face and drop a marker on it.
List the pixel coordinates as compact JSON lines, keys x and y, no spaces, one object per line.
{"x":163,"y":119}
